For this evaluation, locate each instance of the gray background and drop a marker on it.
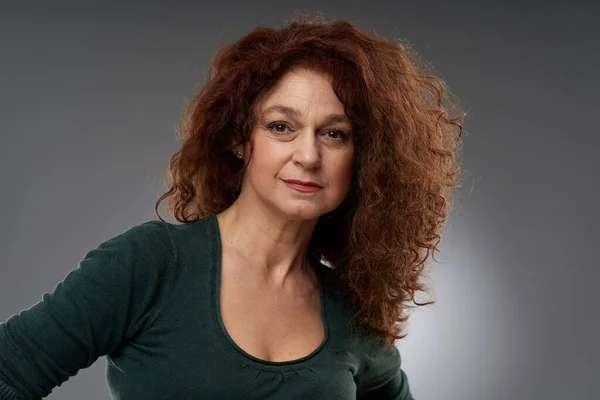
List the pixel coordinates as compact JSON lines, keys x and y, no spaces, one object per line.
{"x":90,"y":94}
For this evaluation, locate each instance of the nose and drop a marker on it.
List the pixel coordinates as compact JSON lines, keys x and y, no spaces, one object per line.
{"x":307,"y":151}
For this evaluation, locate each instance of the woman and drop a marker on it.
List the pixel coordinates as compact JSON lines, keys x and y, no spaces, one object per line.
{"x":315,"y":171}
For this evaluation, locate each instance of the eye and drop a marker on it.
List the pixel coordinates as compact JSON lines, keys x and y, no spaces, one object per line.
{"x":336,"y":134}
{"x":278,"y":127}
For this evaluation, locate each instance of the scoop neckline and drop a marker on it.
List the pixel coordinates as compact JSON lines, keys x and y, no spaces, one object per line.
{"x":314,"y":356}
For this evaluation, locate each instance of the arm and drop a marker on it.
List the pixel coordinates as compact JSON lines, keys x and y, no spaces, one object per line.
{"x":96,"y":307}
{"x":382,"y":377}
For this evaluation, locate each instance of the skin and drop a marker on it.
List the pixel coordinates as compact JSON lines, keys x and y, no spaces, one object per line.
{"x":268,"y":228}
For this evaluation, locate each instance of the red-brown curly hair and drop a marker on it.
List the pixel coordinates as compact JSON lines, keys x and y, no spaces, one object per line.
{"x":405,"y":167}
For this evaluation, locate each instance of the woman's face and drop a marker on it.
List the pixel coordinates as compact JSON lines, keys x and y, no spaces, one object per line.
{"x":302,"y":134}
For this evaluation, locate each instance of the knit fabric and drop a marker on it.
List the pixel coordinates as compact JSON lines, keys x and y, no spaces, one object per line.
{"x":147,"y":299}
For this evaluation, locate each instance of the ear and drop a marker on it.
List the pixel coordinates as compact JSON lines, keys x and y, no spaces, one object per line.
{"x":238,"y":152}
{"x":242,"y":148}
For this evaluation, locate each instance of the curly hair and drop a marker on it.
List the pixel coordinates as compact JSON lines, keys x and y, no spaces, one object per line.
{"x":405,"y":167}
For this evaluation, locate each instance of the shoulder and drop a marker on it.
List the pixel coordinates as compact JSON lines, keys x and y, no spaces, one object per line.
{"x":143,"y":239}
{"x":168,"y":244}
{"x":138,"y":253}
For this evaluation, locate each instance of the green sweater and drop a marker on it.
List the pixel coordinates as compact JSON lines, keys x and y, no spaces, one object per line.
{"x":148,"y":300}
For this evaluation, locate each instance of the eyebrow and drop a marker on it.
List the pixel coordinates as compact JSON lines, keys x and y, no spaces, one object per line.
{"x":294,"y":113}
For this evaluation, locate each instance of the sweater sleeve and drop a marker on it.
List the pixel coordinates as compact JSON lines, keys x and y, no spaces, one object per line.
{"x":382,"y":377}
{"x":102,"y":303}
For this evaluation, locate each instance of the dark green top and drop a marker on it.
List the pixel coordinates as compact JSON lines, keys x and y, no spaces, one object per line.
{"x":148,"y":300}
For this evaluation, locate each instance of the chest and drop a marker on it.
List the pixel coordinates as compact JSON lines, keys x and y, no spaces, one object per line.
{"x":267,"y":324}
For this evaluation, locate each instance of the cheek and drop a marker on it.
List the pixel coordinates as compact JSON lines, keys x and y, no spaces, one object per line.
{"x":341,"y":172}
{"x":347,"y":165}
{"x":265,"y":162}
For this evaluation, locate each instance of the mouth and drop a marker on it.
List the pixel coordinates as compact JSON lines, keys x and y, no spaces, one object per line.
{"x":303,"y":186}
{"x":303,"y":183}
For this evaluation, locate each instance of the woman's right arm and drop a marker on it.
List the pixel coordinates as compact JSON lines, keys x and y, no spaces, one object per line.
{"x":102,"y":303}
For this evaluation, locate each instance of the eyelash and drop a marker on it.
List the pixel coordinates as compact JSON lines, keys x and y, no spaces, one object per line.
{"x":343,"y":135}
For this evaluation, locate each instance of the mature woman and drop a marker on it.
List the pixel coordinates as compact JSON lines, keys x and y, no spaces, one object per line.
{"x":315,"y":172}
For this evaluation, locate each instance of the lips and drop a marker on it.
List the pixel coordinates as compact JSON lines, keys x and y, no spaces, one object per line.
{"x":303,"y":183}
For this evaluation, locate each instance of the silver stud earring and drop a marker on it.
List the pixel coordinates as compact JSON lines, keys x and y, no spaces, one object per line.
{"x":239,"y":155}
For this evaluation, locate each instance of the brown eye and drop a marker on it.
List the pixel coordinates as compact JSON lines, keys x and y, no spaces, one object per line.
{"x":336,"y":134}
{"x":279,"y":127}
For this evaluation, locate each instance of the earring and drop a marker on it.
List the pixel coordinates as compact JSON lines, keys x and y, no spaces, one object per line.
{"x":239,"y":155}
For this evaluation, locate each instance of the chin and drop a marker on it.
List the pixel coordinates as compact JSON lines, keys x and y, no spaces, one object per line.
{"x":303,"y":212}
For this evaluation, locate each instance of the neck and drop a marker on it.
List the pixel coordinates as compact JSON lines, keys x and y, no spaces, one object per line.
{"x":273,"y":246}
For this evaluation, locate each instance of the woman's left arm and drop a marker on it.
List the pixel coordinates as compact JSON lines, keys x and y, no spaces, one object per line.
{"x":382,"y":377}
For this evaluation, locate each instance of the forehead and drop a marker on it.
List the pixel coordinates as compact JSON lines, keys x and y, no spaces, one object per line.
{"x":303,"y":90}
